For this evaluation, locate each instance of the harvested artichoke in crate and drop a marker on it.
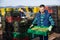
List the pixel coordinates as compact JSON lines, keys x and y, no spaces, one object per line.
{"x":39,"y":30}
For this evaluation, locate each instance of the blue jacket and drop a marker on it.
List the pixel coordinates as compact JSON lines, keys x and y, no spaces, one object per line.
{"x":46,"y":21}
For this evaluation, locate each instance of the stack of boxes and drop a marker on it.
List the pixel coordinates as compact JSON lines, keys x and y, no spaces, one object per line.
{"x":58,"y":19}
{"x":55,"y":14}
{"x":55,"y":17}
{"x":2,"y":22}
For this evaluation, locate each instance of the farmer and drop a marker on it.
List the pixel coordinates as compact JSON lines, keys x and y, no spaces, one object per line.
{"x":44,"y":19}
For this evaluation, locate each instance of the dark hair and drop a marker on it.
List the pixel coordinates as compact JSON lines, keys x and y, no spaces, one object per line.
{"x":42,"y":5}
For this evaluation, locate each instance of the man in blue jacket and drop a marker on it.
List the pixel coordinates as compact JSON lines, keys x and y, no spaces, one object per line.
{"x":43,"y":18}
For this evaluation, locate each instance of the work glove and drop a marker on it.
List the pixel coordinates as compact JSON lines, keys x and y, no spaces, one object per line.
{"x":31,"y":26}
{"x":50,"y":28}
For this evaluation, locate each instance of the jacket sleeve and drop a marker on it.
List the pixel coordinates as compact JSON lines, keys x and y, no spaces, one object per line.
{"x":51,"y":20}
{"x":35,"y":19}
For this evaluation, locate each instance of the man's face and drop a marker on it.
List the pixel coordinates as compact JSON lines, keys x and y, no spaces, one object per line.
{"x":42,"y":9}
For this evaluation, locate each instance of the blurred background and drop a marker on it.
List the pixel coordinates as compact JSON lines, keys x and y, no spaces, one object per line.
{"x":17,"y":15}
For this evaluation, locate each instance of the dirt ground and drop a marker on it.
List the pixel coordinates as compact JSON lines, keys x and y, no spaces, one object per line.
{"x":51,"y":37}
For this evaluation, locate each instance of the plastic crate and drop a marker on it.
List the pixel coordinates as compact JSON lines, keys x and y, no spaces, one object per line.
{"x":16,"y":35}
{"x":38,"y":30}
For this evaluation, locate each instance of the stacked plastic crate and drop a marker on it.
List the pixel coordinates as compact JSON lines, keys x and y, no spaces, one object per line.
{"x":58,"y":19}
{"x":55,"y":17}
{"x":0,"y":26}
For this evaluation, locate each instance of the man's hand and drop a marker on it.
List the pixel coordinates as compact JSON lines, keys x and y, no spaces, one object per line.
{"x":31,"y":25}
{"x":50,"y":28}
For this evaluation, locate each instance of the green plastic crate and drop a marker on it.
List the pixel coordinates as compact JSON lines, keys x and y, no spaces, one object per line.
{"x":16,"y":35}
{"x":19,"y":35}
{"x":38,"y":30}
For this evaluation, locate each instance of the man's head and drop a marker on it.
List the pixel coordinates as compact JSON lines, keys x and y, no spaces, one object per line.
{"x":41,"y":8}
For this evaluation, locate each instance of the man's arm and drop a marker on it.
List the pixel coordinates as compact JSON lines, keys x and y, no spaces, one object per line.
{"x":34,"y":21}
{"x":52,"y":23}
